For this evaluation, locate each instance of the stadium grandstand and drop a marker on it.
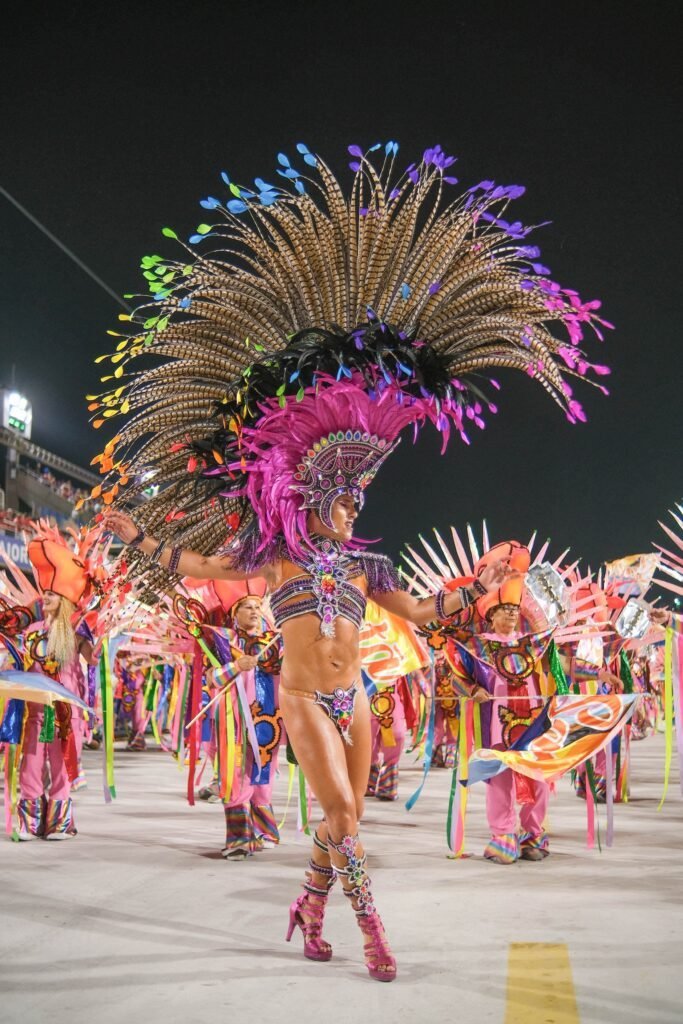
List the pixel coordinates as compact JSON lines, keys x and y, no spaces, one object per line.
{"x":34,"y":482}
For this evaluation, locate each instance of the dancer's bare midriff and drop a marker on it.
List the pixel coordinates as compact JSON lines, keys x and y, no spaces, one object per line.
{"x":312,"y":661}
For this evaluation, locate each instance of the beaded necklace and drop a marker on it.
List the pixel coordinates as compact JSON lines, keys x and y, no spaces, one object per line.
{"x":329,"y":569}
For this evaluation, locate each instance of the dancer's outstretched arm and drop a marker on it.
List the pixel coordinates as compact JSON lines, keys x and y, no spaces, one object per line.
{"x":190,"y":563}
{"x":420,"y":611}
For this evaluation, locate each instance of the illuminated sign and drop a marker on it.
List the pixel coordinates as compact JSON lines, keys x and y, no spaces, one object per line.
{"x":16,"y":412}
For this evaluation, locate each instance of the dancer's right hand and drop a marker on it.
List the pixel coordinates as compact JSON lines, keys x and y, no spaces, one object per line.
{"x":493,"y":576}
{"x":246,"y":662}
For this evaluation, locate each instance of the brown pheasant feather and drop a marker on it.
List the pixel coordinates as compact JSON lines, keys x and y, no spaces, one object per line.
{"x":452,"y":289}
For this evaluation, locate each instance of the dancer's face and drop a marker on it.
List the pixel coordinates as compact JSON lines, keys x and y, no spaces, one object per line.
{"x":343,"y":515}
{"x":51,"y":602}
{"x":504,"y":619}
{"x":248,"y":614}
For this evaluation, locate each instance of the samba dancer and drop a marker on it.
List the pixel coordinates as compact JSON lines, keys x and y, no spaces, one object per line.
{"x":497,"y":663}
{"x":299,"y":353}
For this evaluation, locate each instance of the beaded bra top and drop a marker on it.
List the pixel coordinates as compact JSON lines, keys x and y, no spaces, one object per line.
{"x":325,"y":589}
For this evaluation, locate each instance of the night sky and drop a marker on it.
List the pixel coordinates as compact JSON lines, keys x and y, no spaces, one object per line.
{"x":118,"y":118}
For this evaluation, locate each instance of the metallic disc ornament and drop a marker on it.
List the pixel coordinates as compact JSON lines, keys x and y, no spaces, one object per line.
{"x":548,"y":592}
{"x":634,"y":619}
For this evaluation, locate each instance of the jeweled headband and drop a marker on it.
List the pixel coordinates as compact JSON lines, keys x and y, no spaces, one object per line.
{"x":340,"y":463}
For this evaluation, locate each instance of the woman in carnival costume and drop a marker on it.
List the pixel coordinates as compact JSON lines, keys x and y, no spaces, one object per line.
{"x":252,"y":651}
{"x":605,"y":664}
{"x":54,"y":647}
{"x":132,"y":680}
{"x":503,"y":654}
{"x":648,"y":675}
{"x":495,"y":663}
{"x":293,"y":359}
{"x":591,"y":667}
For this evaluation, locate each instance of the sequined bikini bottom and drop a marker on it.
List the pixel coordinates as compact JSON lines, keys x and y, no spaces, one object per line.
{"x":337,"y":705}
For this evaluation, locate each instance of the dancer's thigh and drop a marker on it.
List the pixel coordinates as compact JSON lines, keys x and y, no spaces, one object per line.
{"x":319,"y":749}
{"x":358,"y":753}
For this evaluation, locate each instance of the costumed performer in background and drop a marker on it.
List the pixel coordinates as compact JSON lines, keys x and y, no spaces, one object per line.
{"x":54,"y":646}
{"x":495,"y":664}
{"x":389,"y":728}
{"x":254,"y":651}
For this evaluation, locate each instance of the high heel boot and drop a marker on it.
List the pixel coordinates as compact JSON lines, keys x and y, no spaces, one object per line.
{"x":379,"y":960}
{"x":308,"y":910}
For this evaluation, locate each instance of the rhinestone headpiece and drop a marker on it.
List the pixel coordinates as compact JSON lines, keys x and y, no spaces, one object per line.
{"x":340,"y":463}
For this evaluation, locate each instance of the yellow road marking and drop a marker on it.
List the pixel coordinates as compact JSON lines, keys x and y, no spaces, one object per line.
{"x":540,"y":989}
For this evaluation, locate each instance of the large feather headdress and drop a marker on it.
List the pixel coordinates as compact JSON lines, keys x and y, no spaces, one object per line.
{"x":296,"y":288}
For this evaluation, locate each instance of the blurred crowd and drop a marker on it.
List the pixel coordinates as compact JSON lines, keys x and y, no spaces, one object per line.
{"x":64,"y":488}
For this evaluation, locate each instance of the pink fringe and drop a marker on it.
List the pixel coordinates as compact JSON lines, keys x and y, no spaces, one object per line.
{"x":274,"y":449}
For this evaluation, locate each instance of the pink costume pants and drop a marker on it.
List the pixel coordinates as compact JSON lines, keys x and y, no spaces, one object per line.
{"x":442,"y":731}
{"x":36,"y":814}
{"x":138,"y":715}
{"x":249,"y":815}
{"x":383,"y":779}
{"x":500,"y":807}
{"x":34,"y":757}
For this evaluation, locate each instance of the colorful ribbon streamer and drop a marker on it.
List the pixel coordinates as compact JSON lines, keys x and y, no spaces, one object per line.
{"x":303,"y":805}
{"x":668,"y":711}
{"x":677,"y":690}
{"x":429,"y":742}
{"x":193,"y":738}
{"x":107,"y":695}
{"x":465,"y":738}
{"x":290,"y":788}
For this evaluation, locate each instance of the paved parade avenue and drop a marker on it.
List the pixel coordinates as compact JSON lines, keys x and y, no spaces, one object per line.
{"x":140,"y":919}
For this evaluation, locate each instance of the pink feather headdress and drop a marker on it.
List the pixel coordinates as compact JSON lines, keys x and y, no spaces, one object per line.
{"x":332,"y":442}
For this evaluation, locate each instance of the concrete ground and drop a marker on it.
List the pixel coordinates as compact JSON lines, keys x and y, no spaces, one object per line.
{"x":139,"y":918}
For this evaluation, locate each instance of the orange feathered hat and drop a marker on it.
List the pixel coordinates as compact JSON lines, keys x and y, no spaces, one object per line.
{"x":231,"y":592}
{"x":58,"y":569}
{"x":511,"y":592}
{"x":597,"y":604}
{"x":227,"y":593}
